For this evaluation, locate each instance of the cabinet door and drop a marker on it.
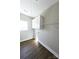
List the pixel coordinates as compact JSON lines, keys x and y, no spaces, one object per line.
{"x":36,"y":23}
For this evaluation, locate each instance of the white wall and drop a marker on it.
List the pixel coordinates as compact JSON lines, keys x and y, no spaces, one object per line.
{"x":26,"y":34}
{"x":49,"y":36}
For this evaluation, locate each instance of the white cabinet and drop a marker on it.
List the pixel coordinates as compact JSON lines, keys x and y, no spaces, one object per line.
{"x":37,"y":23}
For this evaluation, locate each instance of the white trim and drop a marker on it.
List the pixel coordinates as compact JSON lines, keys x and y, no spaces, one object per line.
{"x":53,"y":52}
{"x":25,"y":39}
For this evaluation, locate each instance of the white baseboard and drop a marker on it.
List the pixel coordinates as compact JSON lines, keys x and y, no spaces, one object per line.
{"x":25,"y":39}
{"x":53,"y":52}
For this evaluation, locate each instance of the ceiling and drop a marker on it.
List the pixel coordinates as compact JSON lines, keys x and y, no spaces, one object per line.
{"x":34,"y":8}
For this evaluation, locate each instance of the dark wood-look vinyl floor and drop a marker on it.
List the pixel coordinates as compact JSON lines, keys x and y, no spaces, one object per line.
{"x":32,"y":50}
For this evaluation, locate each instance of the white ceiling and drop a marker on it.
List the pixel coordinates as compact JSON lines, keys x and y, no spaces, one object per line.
{"x":34,"y":8}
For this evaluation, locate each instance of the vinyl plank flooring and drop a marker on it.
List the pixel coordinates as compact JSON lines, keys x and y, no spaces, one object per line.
{"x":30,"y":50}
